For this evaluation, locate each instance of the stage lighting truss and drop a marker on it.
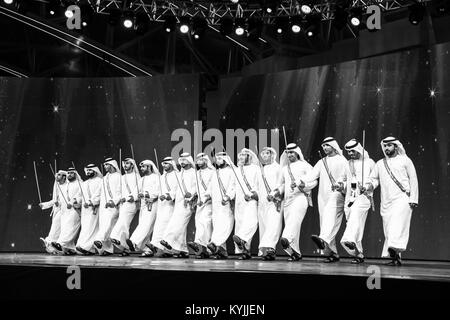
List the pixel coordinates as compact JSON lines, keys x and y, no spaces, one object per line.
{"x":215,"y":11}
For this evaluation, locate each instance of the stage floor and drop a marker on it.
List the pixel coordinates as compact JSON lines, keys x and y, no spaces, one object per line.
{"x":411,"y":270}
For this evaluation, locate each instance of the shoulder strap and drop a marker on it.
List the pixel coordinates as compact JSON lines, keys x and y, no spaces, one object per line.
{"x":328,"y":170}
{"x":392,"y":176}
{"x":245,"y":179}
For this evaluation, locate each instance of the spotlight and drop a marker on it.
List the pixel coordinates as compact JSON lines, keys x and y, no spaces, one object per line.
{"x":170,"y":23}
{"x":8,"y":1}
{"x":239,"y":26}
{"x":128,"y":19}
{"x":68,"y":13}
{"x":127,"y":23}
{"x":295,"y":24}
{"x":306,"y":8}
{"x":199,"y":26}
{"x":312,"y":24}
{"x":416,"y":13}
{"x":84,"y":23}
{"x":52,"y":12}
{"x":53,"y":7}
{"x":184,"y":24}
{"x":269,"y":6}
{"x":234,"y":1}
{"x":226,"y":26}
{"x":281,"y":24}
{"x":356,"y":16}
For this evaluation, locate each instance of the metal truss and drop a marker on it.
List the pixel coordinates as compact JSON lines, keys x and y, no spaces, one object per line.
{"x":215,"y":11}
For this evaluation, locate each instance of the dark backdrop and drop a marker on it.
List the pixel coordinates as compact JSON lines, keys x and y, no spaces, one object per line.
{"x":385,"y":95}
{"x":80,"y":120}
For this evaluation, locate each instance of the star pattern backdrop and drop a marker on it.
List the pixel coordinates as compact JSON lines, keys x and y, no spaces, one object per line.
{"x":404,"y":94}
{"x":84,"y":121}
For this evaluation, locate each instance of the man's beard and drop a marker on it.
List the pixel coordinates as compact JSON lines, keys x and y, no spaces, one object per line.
{"x":222,"y":165}
{"x":71,"y":178}
{"x":390,"y":153}
{"x":168,"y":169}
{"x":91,"y":175}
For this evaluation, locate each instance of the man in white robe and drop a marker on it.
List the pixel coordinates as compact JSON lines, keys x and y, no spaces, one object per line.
{"x":149,"y":190}
{"x":357,"y":204}
{"x":89,"y":212}
{"x":330,"y":170}
{"x":70,"y":214}
{"x":397,"y":178}
{"x":109,"y":207}
{"x":246,"y":208}
{"x":297,"y":198}
{"x":270,"y":216}
{"x":129,"y":206}
{"x":56,"y":204}
{"x":222,"y":191}
{"x":166,"y":204}
{"x":176,"y":232}
{"x":203,"y":214}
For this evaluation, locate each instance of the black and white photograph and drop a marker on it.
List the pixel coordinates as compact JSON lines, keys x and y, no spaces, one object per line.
{"x":225,"y":159}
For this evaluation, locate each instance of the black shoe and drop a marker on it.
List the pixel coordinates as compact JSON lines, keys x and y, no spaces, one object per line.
{"x":82,"y":251}
{"x":98,"y":245}
{"x":131,"y":245}
{"x":181,"y":255}
{"x":350,"y":245}
{"x":212,"y":247}
{"x":69,"y":252}
{"x":270,"y":255}
{"x":106,"y":253}
{"x":57,"y":246}
{"x":357,"y":260}
{"x":332,"y":258}
{"x":165,"y":244}
{"x":319,"y":242}
{"x":239,"y":242}
{"x":202,"y":255}
{"x":392,"y":253}
{"x":394,"y":263}
{"x":295,"y":257}
{"x":115,"y":242}
{"x":166,"y":255}
{"x":285,"y":243}
{"x":221,"y":253}
{"x":124,"y":254}
{"x":147,"y":254}
{"x":195,"y":247}
{"x":152,"y":248}
{"x":245,"y":256}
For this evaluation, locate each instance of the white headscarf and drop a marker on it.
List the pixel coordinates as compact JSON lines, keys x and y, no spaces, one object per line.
{"x":63,"y":172}
{"x":186,"y":156}
{"x":206,"y":158}
{"x":332,"y":143}
{"x":113,"y":163}
{"x":401,"y":149}
{"x":72,"y":169}
{"x":284,"y":159}
{"x":253,"y":158}
{"x":355,"y":145}
{"x":94,"y":168}
{"x":171,"y":161}
{"x":135,"y":168}
{"x":272,"y":151}
{"x":151,"y":164}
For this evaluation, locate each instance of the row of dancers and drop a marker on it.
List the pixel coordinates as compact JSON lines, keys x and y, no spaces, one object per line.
{"x":94,"y":216}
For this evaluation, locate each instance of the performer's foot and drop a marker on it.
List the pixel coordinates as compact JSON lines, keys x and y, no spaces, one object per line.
{"x":245,"y":256}
{"x":69,"y":252}
{"x":202,"y":255}
{"x":350,"y":245}
{"x":44,"y":242}
{"x":195,"y":247}
{"x":331,"y":258}
{"x":285,"y":243}
{"x":239,"y":242}
{"x":357,"y":260}
{"x":166,"y":244}
{"x":82,"y":251}
{"x":395,"y":256}
{"x":124,"y":254}
{"x":152,"y":247}
{"x":319,"y":242}
{"x":115,"y":242}
{"x":98,"y":245}
{"x":295,"y":256}
{"x":106,"y":253}
{"x":131,"y":245}
{"x":147,"y":254}
{"x":212,"y":247}
{"x":221,"y":253}
{"x":181,"y":255}
{"x":270,"y":255}
{"x":57,"y":246}
{"x":166,"y":255}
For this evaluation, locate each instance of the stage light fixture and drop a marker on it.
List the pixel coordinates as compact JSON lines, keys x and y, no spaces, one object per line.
{"x":170,"y":23}
{"x":239,"y":26}
{"x":68,"y":13}
{"x":184,"y":24}
{"x":269,"y":6}
{"x":54,"y":6}
{"x":306,"y":8}
{"x":281,"y":24}
{"x":199,"y":26}
{"x":416,"y":13}
{"x":356,"y":16}
{"x":128,"y":19}
{"x":8,"y":1}
{"x":234,"y":1}
{"x":312,"y":24}
{"x":296,"y":24}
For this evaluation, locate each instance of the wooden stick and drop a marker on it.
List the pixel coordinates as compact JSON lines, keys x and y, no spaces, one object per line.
{"x":37,"y":182}
{"x":57,"y":184}
{"x":79,"y":183}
